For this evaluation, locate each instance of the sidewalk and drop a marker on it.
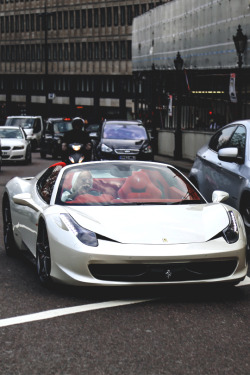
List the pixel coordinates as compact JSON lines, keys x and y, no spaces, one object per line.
{"x":183,"y":165}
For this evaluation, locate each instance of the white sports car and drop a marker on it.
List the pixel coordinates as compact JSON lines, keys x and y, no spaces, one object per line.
{"x":136,"y":223}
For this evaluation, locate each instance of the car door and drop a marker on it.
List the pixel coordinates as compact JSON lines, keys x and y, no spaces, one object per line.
{"x":212,"y":178}
{"x":225,"y":175}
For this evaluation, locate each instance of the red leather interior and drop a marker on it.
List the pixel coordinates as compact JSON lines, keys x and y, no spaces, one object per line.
{"x":139,"y":186}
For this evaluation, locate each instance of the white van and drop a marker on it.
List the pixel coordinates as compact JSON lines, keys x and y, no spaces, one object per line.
{"x":32,"y":125}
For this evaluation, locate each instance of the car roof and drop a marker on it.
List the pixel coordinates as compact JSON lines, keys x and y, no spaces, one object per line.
{"x":23,"y":116}
{"x":10,"y":127}
{"x":123,"y":122}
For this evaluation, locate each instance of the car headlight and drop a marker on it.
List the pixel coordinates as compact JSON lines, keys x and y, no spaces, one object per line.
{"x":86,"y":236}
{"x":105,"y":148}
{"x":231,"y":233}
{"x":18,"y":148}
{"x":147,"y":150}
{"x":59,"y":141}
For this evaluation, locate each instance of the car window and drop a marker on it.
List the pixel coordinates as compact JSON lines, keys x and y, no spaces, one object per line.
{"x":11,"y":133}
{"x":124,"y":132}
{"x":63,"y":126}
{"x":238,"y":140}
{"x":221,"y":138}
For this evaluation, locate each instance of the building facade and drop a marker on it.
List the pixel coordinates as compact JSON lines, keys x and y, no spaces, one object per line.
{"x":65,"y":58}
{"x":212,"y":85}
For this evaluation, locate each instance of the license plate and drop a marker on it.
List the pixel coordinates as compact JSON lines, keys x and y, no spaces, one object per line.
{"x":127,"y":157}
{"x":5,"y":153}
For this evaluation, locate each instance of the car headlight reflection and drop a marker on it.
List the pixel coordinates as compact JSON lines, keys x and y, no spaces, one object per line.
{"x":147,"y":150}
{"x":105,"y":148}
{"x":231,"y":233}
{"x":86,"y":236}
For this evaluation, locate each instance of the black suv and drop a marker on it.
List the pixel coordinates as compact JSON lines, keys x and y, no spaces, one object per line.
{"x":52,"y":136}
{"x":124,"y":140}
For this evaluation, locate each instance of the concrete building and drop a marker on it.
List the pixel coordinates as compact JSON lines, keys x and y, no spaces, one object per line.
{"x":64,"y":57}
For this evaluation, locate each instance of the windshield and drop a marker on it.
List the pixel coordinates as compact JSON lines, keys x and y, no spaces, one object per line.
{"x":124,"y":132}
{"x":63,"y":126}
{"x":11,"y":133}
{"x":124,"y":183}
{"x":25,"y":123}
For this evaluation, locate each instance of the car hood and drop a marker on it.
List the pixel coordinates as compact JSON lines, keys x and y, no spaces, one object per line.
{"x":12,"y":142}
{"x":125,"y":143}
{"x":153,"y":224}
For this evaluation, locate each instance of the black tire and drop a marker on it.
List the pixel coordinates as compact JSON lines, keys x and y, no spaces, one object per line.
{"x":28,"y":157}
{"x":8,"y":235}
{"x":43,"y":259}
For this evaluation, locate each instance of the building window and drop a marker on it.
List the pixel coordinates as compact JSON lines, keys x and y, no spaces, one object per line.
{"x":109,"y":16}
{"x":66,"y":20}
{"x":123,"y":20}
{"x":129,"y":14}
{"x":115,"y":16}
{"x":54,"y":52}
{"x":78,"y":52}
{"x":96,"y":51}
{"x":71,"y":17}
{"x":38,"y":52}
{"x":32,"y":22}
{"x":38,"y":21}
{"x":17,"y":53}
{"x":33,"y":52}
{"x":83,"y":18}
{"x":116,"y":50}
{"x":129,"y":50}
{"x":12,"y":24}
{"x":72,"y":52}
{"x":2,"y":24}
{"x":143,"y":8}
{"x":96,"y":17}
{"x":110,"y":54}
{"x":84,"y":51}
{"x":78,"y":21}
{"x":103,"y":17}
{"x":137,"y":10}
{"x":7,"y":25}
{"x":54,"y":26}
{"x":103,"y":51}
{"x":27,"y":22}
{"x":123,"y":50}
{"x":60,"y":52}
{"x":66,"y":51}
{"x":59,"y":15}
{"x":90,"y":51}
{"x":27,"y":52}
{"x":89,"y":18}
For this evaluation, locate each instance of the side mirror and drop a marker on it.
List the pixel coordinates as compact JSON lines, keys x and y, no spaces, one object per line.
{"x":219,"y":196}
{"x":230,"y":154}
{"x":24,"y":199}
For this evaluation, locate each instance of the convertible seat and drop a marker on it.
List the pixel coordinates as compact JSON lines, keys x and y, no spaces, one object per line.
{"x":138,"y":185}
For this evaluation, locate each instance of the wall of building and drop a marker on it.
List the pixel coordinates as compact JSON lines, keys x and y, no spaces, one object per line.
{"x":201,"y":30}
{"x":192,"y":141}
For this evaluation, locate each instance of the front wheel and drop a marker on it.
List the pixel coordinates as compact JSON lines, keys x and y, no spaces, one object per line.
{"x":245,"y":213}
{"x":8,"y":235}
{"x":43,"y":258}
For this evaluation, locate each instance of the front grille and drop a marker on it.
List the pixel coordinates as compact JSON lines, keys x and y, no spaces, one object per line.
{"x":169,"y":272}
{"x":126,"y":151}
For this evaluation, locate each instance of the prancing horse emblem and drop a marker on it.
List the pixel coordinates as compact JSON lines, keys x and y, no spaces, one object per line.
{"x":168,"y":274}
{"x":164,"y":239}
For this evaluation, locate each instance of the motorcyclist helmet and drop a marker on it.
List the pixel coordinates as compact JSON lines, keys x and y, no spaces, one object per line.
{"x":78,"y":123}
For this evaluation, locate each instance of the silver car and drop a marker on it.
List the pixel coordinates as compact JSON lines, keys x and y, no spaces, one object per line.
{"x":224,"y":164}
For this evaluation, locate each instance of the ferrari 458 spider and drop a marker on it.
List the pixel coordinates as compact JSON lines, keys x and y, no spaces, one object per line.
{"x":118,"y":223}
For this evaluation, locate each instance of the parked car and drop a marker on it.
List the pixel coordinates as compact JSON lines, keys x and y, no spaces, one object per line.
{"x":32,"y":125}
{"x":124,"y":140}
{"x":14,"y":145}
{"x":52,"y":135}
{"x":224,"y":164}
{"x":123,"y":223}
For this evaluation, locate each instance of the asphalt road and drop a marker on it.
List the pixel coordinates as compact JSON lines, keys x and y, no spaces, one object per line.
{"x":142,"y":331}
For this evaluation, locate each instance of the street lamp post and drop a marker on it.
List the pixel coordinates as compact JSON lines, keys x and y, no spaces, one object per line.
{"x":178,"y":63}
{"x":240,"y":41}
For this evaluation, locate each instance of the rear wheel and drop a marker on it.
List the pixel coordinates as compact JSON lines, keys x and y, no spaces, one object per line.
{"x":43,"y":154}
{"x":43,"y":258}
{"x":54,"y":153}
{"x":8,"y":235}
{"x":28,"y":156}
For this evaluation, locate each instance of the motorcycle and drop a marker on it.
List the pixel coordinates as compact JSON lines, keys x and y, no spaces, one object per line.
{"x":77,"y":153}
